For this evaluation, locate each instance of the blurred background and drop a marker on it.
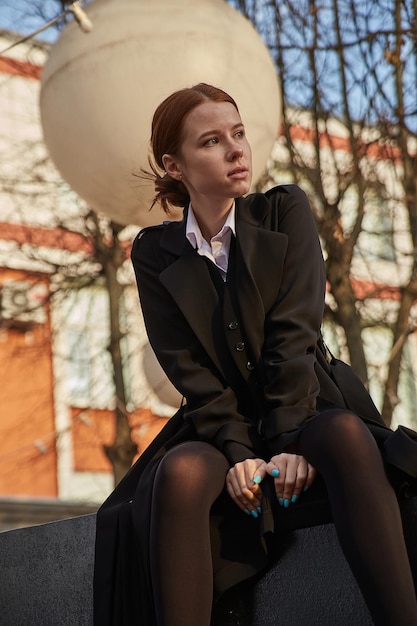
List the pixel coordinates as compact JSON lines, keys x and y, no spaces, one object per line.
{"x":328,"y":93}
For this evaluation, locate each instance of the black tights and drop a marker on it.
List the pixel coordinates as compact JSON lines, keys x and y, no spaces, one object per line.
{"x":365,"y":511}
{"x":189,"y":479}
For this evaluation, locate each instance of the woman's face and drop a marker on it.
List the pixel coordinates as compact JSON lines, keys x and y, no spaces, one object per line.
{"x":215,"y":161}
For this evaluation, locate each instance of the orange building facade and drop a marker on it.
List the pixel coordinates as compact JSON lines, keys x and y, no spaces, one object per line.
{"x":28,"y":456}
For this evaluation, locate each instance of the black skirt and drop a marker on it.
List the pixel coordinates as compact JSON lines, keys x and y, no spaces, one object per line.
{"x":241,"y":546}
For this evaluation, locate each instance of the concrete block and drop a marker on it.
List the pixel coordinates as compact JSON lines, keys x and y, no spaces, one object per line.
{"x":47,"y":571}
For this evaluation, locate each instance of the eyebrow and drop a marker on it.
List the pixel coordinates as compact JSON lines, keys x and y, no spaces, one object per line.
{"x":218,"y":132}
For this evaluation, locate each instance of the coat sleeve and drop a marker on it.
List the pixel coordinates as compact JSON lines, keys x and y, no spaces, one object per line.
{"x":211,"y":405}
{"x":292,"y":325}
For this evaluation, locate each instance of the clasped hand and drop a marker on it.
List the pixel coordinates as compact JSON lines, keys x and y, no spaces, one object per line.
{"x":291,"y":474}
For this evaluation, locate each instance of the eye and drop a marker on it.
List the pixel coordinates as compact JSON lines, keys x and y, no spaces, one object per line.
{"x":240,"y":133}
{"x":212,"y":141}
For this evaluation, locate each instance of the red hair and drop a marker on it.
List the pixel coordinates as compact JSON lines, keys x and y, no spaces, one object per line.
{"x":166,"y":137}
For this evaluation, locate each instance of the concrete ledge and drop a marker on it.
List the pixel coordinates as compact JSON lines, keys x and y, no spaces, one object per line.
{"x":46,"y":579}
{"x":312,"y":576}
{"x":23,"y":512}
{"x":47,"y":573}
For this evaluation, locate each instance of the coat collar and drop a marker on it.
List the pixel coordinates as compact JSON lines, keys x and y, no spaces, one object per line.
{"x":251,"y":210}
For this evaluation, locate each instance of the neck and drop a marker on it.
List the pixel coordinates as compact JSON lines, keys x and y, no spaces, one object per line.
{"x":211,"y":218}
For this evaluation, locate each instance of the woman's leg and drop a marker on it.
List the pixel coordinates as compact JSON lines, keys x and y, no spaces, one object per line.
{"x":366,"y":513}
{"x":189,"y":479}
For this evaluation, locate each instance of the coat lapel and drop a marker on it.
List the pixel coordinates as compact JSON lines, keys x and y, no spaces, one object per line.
{"x":186,"y":279}
{"x":259,"y":264}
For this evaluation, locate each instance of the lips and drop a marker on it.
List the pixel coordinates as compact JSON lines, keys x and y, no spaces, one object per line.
{"x":238,"y":172}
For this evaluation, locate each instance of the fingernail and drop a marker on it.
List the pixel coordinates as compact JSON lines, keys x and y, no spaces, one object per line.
{"x":275,"y":472}
{"x":259,"y":510}
{"x":254,"y":514}
{"x":305,"y":488}
{"x":294,"y":499}
{"x":286,"y":503}
{"x":281,"y":501}
{"x":257,"y":479}
{"x":247,"y":511}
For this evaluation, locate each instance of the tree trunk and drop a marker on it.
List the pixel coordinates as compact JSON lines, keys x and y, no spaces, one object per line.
{"x":111,"y":257}
{"x":348,"y":318}
{"x":122,"y":451}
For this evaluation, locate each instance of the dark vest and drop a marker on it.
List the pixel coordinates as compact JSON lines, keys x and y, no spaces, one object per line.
{"x":229,"y":338}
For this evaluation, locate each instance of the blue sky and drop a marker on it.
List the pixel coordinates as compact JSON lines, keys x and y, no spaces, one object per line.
{"x":21,"y":16}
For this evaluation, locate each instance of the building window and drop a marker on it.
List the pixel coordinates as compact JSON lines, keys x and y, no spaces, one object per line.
{"x":376,"y":241}
{"x":85,"y":333}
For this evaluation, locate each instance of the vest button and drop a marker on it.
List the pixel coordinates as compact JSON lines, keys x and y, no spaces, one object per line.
{"x":239,"y":347}
{"x":250,"y":366}
{"x":233,"y":325}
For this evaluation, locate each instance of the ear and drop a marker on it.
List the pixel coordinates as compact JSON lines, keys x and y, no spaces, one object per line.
{"x":171,"y":166}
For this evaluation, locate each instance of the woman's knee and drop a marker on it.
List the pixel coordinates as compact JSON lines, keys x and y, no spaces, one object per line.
{"x":190,"y":468}
{"x":336,"y":431}
{"x":346,"y":424}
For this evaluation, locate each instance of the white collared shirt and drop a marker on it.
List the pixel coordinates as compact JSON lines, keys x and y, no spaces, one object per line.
{"x":217,"y":250}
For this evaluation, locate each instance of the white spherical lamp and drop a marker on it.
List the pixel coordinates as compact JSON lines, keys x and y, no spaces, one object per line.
{"x":99,"y":91}
{"x":159,"y":383}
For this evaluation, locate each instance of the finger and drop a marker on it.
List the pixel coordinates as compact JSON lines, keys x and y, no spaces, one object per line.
{"x":301,"y":479}
{"x":312,"y":473}
{"x":290,"y":480}
{"x":252,"y":493}
{"x":256,"y":478}
{"x":272,"y":469}
{"x":279,"y":482}
{"x":232,"y":484}
{"x":250,"y":489}
{"x":240,"y":491}
{"x":234,"y":491}
{"x":231,"y":490}
{"x":279,"y":468}
{"x":295,"y":479}
{"x":250,"y":475}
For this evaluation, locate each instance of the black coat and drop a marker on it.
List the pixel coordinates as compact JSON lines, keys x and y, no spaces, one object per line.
{"x":259,"y":339}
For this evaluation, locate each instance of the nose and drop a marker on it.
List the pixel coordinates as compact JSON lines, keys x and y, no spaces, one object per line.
{"x":235,"y":151}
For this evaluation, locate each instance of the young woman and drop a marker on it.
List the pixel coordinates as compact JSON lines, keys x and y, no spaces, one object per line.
{"x":233,"y":299}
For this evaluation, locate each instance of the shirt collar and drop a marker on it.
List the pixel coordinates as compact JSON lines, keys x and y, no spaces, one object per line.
{"x":193,"y":232}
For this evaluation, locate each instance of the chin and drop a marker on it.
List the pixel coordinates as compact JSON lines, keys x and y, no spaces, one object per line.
{"x":244,"y":190}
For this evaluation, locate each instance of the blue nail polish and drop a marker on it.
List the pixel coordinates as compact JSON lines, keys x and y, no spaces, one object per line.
{"x":275,"y":472}
{"x":294,"y":499}
{"x":281,"y":501}
{"x":259,"y":510}
{"x":257,"y":479}
{"x":286,"y":503}
{"x":305,"y":488}
{"x":247,"y":511}
{"x":254,"y":514}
